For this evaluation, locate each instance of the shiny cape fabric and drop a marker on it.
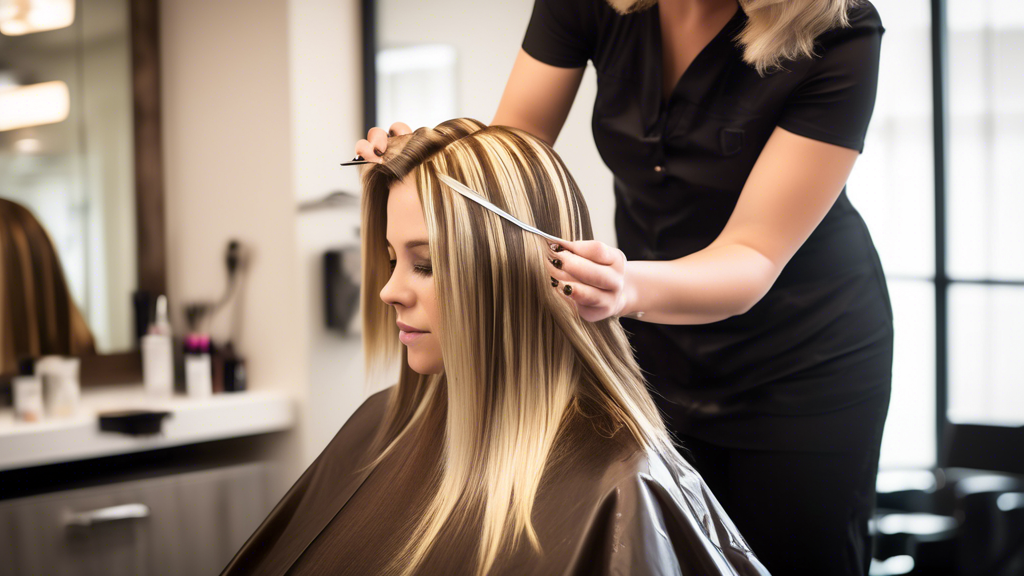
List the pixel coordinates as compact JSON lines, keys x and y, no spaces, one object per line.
{"x":604,"y":507}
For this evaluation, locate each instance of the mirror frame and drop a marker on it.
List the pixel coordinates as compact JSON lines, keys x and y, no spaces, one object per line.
{"x":144,"y":19}
{"x":368,"y":16}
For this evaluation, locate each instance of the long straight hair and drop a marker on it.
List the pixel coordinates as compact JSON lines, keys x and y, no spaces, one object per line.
{"x":518,"y":359}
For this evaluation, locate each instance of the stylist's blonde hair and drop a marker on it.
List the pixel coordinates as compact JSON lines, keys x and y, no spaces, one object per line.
{"x":781,"y":30}
{"x":777,"y":30}
{"x":519,"y":362}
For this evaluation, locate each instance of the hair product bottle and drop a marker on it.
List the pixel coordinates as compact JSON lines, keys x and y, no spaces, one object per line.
{"x":61,"y":389}
{"x":158,"y":354}
{"x":28,"y":398}
{"x":198,"y":366}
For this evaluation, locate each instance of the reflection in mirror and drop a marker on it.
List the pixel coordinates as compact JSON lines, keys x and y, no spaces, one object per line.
{"x":438,"y":60}
{"x":67,"y":153}
{"x":417,"y":84}
{"x":38,"y":316}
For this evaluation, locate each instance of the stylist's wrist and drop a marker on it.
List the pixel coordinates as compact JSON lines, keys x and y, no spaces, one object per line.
{"x":629,"y":291}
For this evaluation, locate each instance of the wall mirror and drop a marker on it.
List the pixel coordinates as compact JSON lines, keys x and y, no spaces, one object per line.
{"x":80,"y":149}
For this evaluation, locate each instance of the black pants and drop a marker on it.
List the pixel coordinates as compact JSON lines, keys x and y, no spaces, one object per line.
{"x":801,"y":512}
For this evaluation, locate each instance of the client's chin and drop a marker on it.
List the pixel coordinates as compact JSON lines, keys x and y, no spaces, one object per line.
{"x":424,"y":357}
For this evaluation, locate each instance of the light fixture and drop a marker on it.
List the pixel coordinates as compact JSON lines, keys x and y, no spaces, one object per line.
{"x":34,"y":105}
{"x":20,"y":17}
{"x":28,"y":145}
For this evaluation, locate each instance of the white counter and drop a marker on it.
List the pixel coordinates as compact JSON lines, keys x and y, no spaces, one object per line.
{"x":221,"y":416}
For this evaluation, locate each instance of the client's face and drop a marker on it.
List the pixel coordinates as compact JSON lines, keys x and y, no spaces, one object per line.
{"x":411,"y":287}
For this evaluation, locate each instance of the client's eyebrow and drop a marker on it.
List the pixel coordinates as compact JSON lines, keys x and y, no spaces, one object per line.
{"x":410,"y":244}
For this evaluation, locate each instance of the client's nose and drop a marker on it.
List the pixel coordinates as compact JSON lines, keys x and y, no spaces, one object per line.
{"x":395,"y":293}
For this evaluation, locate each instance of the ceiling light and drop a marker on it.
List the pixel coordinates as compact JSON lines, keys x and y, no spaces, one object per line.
{"x":19,"y":17}
{"x":34,"y":105}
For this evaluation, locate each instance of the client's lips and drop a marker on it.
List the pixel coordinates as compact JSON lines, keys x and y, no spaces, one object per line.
{"x":408,"y":334}
{"x":407,"y":328}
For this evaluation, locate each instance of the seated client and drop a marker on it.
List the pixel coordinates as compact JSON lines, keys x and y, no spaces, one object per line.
{"x":520,"y":439}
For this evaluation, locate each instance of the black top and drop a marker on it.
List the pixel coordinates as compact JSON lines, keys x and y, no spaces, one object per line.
{"x":787,"y":365}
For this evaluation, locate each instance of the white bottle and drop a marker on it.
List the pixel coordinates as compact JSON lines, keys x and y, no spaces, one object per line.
{"x":158,"y":354}
{"x":63,"y":390}
{"x":198,"y":366}
{"x":48,"y":365}
{"x":59,"y":380}
{"x":28,"y":398}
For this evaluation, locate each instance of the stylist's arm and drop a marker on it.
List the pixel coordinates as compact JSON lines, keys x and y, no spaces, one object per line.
{"x":792,"y":186}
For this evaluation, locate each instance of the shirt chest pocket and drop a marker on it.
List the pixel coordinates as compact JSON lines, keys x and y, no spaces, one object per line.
{"x":720,"y":131}
{"x":725,"y":141}
{"x":731,"y":140}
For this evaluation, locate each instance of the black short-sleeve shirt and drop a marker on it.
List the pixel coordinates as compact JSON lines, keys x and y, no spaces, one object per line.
{"x":679,"y":167}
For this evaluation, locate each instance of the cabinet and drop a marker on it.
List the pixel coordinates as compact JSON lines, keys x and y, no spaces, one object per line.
{"x":188,"y":523}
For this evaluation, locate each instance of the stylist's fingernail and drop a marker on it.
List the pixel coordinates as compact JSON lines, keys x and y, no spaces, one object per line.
{"x":557,"y":248}
{"x":567,"y":290}
{"x":557,"y":263}
{"x":554,"y":282}
{"x":553,"y":246}
{"x":378,"y":152}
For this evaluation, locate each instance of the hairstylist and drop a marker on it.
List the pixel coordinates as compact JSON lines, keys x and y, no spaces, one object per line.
{"x":751,"y":288}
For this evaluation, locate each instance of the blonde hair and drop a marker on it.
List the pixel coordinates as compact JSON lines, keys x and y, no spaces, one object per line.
{"x":776,"y":30}
{"x":785,"y":30}
{"x":518,"y":359}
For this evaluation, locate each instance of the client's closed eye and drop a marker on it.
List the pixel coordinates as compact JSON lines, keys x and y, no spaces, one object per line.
{"x":421,"y":269}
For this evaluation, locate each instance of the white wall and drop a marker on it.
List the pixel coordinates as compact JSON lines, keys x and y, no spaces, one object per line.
{"x":228,"y":160}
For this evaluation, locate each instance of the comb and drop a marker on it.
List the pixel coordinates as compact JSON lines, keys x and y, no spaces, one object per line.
{"x":476,"y":197}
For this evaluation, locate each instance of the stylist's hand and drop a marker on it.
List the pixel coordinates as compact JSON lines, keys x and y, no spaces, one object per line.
{"x":376,"y":142}
{"x":593,"y":275}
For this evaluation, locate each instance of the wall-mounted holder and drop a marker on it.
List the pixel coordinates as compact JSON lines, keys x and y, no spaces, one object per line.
{"x":341,"y":288}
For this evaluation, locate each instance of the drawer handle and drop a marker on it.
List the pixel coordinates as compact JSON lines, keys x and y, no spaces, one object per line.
{"x":109,"y":514}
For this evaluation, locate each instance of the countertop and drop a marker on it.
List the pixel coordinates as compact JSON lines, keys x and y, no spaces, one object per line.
{"x":221,"y":416}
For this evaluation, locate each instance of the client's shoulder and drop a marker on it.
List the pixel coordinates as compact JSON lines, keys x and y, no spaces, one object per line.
{"x":362,"y":425}
{"x":375,"y":404}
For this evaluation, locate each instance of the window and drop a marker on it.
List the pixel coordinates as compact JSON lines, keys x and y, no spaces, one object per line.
{"x":985,"y":211}
{"x":959,"y":318}
{"x":893,"y":187}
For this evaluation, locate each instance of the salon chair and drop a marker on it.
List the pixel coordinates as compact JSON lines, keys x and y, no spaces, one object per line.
{"x":913,"y":533}
{"x":991,"y":507}
{"x":964,"y":518}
